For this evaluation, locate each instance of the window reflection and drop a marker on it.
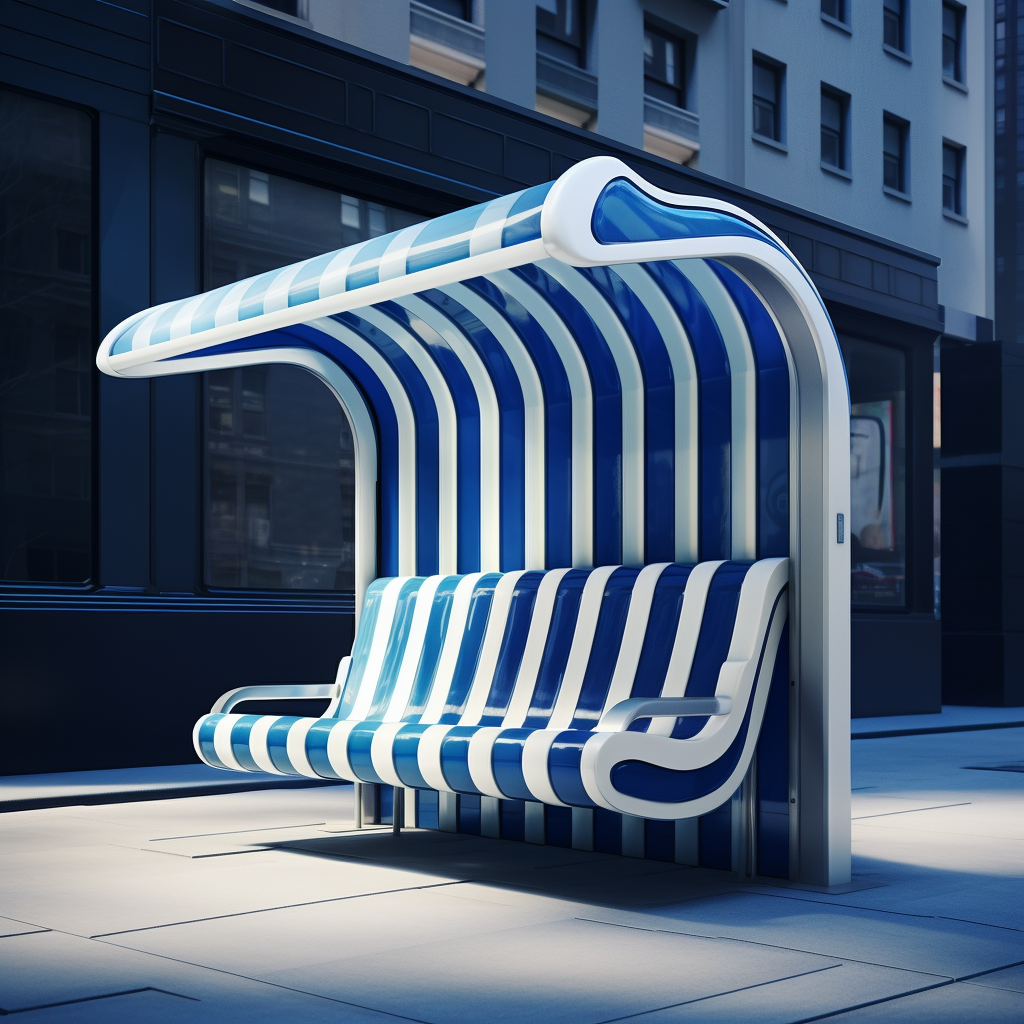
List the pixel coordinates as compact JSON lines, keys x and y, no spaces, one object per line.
{"x":877,"y":472}
{"x":46,"y":341}
{"x":279,"y":467}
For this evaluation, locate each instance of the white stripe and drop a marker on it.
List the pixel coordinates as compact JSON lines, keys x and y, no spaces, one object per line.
{"x":497,"y":619}
{"x":413,"y":650}
{"x":295,"y":747}
{"x":677,"y":675}
{"x":378,"y":648}
{"x":222,"y":742}
{"x":382,"y":752}
{"x":406,"y":435}
{"x":481,"y":767}
{"x":490,"y":427}
{"x":141,"y":337}
{"x":227,"y":308}
{"x":633,"y":634}
{"x":181,"y":325}
{"x":564,"y":710}
{"x":687,"y":407}
{"x":582,"y":409}
{"x":428,"y":757}
{"x":454,"y":636}
{"x":258,"y":744}
{"x":533,"y":416}
{"x":535,"y":766}
{"x":332,"y":280}
{"x":337,"y":749}
{"x":392,"y":263}
{"x":277,"y":294}
{"x":448,"y":435}
{"x":743,"y":380}
{"x":486,"y":235}
{"x":536,"y":640}
{"x":631,"y":382}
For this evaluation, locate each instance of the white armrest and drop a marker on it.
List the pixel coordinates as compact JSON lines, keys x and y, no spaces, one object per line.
{"x":623,"y":714}
{"x":274,"y":691}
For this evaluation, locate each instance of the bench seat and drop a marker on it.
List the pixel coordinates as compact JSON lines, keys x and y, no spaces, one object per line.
{"x":637,"y":690}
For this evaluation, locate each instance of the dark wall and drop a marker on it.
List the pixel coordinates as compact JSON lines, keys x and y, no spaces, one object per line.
{"x":116,"y":674}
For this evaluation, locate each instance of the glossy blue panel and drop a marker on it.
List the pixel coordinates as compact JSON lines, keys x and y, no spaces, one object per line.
{"x":467,"y":412}
{"x":443,"y":240}
{"x":773,"y":808}
{"x":509,"y":394}
{"x":512,"y":820}
{"x":564,"y":767}
{"x":772,"y":416}
{"x":395,"y":651}
{"x":162,"y":328}
{"x":625,"y":214}
{"x":277,"y":739}
{"x":558,"y":420}
{"x":426,"y":809}
{"x":427,"y":440}
{"x":611,"y":621}
{"x":455,"y":758}
{"x":715,"y":399}
{"x":204,"y":737}
{"x":660,"y":840}
{"x":523,"y":221}
{"x":365,"y":266}
{"x":513,"y":644}
{"x":251,"y":303}
{"x":359,"y":741}
{"x":607,"y":831}
{"x":316,"y":747}
{"x":607,"y":421}
{"x":507,"y":763}
{"x":205,"y":316}
{"x":404,"y":749}
{"x":659,"y":412}
{"x":305,"y":286}
{"x":437,"y":628}
{"x":662,"y":623}
{"x":361,"y":647}
{"x":469,"y":650}
{"x":556,"y":649}
{"x":240,"y":742}
{"x":468,"y":815}
{"x":558,"y":826}
{"x":716,"y":628}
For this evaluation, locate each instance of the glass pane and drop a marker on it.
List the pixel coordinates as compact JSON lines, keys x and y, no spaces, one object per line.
{"x":279,"y":470}
{"x":765,"y":83}
{"x":830,"y":149}
{"x":891,"y":140}
{"x":877,"y":472}
{"x":764,"y":119}
{"x":46,"y":341}
{"x":456,"y":8}
{"x":831,"y":113}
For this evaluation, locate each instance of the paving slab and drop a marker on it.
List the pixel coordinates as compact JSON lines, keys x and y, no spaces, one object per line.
{"x":950,"y":1004}
{"x":803,"y":998}
{"x":943,"y":947}
{"x":570,"y":971}
{"x":8,"y":927}
{"x":68,"y":978}
{"x":1010,"y":978}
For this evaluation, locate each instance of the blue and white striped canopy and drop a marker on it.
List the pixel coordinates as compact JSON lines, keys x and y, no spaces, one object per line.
{"x":588,"y":372}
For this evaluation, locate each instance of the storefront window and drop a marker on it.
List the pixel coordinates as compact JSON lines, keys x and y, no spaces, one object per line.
{"x":46,"y":341}
{"x":278,"y":469}
{"x":878,"y":472}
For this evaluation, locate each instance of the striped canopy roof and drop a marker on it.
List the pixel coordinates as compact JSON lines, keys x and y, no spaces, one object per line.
{"x":592,"y":371}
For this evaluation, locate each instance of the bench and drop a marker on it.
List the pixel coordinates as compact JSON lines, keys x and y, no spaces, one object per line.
{"x":556,"y":686}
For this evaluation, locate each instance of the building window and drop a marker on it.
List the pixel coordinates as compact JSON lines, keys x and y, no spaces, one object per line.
{"x":894,"y":24}
{"x":894,"y":153}
{"x":952,"y":178}
{"x":768,"y":99}
{"x":664,"y":71}
{"x":47,"y":341}
{"x":834,"y":9}
{"x":561,"y":31}
{"x":294,"y":8}
{"x":834,"y":109}
{"x":878,"y":472}
{"x":461,"y":9}
{"x":952,"y":42}
{"x":278,"y":467}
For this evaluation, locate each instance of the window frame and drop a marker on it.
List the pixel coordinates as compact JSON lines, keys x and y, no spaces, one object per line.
{"x":561,"y":46}
{"x":902,"y":189}
{"x":667,"y":35}
{"x":894,"y":12}
{"x":959,"y":152}
{"x":778,"y":72}
{"x":958,"y":11}
{"x":843,"y":133}
{"x":842,"y":15}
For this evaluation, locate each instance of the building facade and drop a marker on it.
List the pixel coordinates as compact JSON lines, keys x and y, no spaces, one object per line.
{"x":166,"y":540}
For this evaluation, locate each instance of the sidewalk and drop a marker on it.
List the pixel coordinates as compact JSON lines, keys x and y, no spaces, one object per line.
{"x":241,"y":907}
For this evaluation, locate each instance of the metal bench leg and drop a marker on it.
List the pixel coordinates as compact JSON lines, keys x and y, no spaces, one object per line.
{"x":357,"y":804}
{"x":397,"y":811}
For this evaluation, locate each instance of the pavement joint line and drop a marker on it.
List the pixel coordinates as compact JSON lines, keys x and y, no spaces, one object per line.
{"x":873,"y":1002}
{"x":716,"y":995}
{"x":104,"y":995}
{"x":234,"y":832}
{"x":912,"y":810}
{"x":267,"y":910}
{"x":991,"y":970}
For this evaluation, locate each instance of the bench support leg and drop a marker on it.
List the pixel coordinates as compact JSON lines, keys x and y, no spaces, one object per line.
{"x":357,"y":804}
{"x":448,"y":812}
{"x":534,"y":823}
{"x":398,"y":811}
{"x":490,"y":817}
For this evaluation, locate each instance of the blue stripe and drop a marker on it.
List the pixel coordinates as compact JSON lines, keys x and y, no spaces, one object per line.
{"x":513,"y":646}
{"x":305,"y":286}
{"x":162,"y":328}
{"x":316,"y":743}
{"x":509,"y":394}
{"x":607,"y":422}
{"x":361,"y":647}
{"x":523,"y":221}
{"x":240,"y":742}
{"x":277,"y":742}
{"x":204,"y":739}
{"x":427,"y":440}
{"x":364,"y":269}
{"x":403,"y":754}
{"x":659,"y":411}
{"x":395,"y":651}
{"x":556,"y":648}
{"x":433,"y":642}
{"x":469,"y":649}
{"x":558,"y":420}
{"x":443,"y":240}
{"x":455,"y":758}
{"x":712,"y":364}
{"x":772,"y":416}
{"x":358,"y":750}
{"x":124,"y":343}
{"x":205,"y":317}
{"x":251,"y":303}
{"x":507,"y":763}
{"x":467,"y":412}
{"x":564,"y":767}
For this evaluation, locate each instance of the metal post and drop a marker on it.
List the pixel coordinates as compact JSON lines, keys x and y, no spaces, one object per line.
{"x":397,"y":810}
{"x":357,"y":803}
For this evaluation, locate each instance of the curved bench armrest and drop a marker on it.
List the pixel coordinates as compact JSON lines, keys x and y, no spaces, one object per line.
{"x":623,"y":714}
{"x":274,"y":691}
